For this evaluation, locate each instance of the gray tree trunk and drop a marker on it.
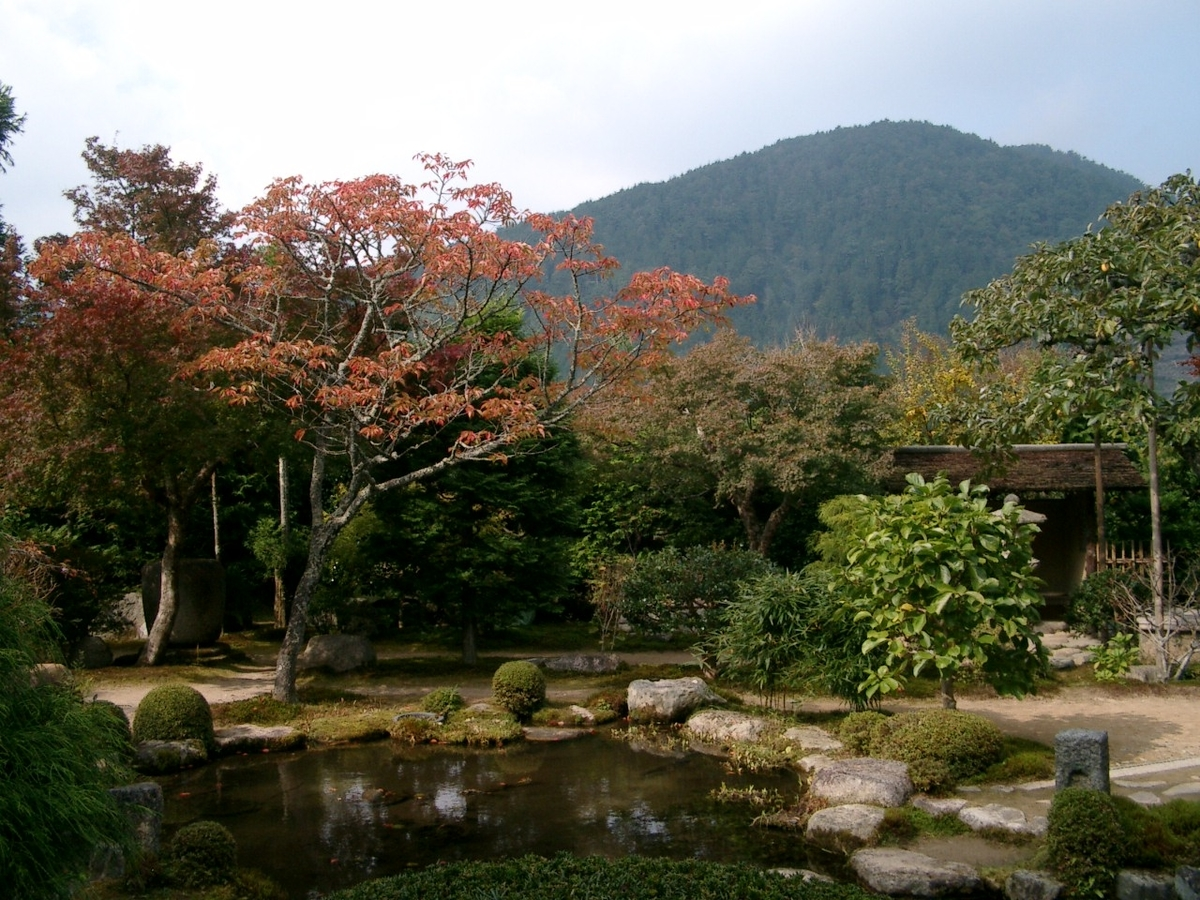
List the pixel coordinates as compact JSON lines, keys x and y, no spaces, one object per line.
{"x":168,"y":594}
{"x":281,"y":612}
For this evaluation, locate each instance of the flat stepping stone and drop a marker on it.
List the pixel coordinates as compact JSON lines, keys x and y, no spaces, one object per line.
{"x":939,"y":806}
{"x":809,"y":737}
{"x":1145,"y":798}
{"x":882,"y":782}
{"x":553,"y":735}
{"x":846,"y":828}
{"x":905,"y":873}
{"x":164,"y":757}
{"x":1187,"y":789}
{"x":1024,"y":884}
{"x":258,"y":739}
{"x":719,"y":726}
{"x":995,"y":816}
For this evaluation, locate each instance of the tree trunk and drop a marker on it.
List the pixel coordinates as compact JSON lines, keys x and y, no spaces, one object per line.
{"x":947,"y":694}
{"x":284,"y":533}
{"x":168,"y":597}
{"x":1156,"y":552}
{"x":759,"y":534}
{"x":470,"y":653}
{"x":293,"y":638}
{"x":216,"y":518}
{"x":1101,"y":535}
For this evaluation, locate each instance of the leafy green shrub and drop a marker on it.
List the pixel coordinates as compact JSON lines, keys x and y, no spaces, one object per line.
{"x":1084,"y":841}
{"x":519,"y":687}
{"x":1160,"y":837}
{"x":200,"y":854}
{"x":442,"y":701}
{"x":857,"y":731}
{"x":174,"y":712}
{"x":943,"y":584}
{"x":1112,"y":661}
{"x":595,"y":878}
{"x":941,"y":746}
{"x":1091,"y":607}
{"x":58,"y":758}
{"x":687,"y":590}
{"x":788,"y":632}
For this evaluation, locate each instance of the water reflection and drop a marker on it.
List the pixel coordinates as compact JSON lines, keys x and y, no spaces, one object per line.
{"x":325,"y":819}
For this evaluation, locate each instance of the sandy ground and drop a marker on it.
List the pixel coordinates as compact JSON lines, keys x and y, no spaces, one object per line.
{"x":1145,"y":724}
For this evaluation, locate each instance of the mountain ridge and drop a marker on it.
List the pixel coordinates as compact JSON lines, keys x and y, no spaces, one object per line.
{"x":850,"y":232}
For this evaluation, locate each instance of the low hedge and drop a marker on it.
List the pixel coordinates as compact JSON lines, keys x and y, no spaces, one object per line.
{"x":595,"y":878}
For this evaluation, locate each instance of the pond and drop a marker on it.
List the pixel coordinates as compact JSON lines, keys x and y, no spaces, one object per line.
{"x":324,"y":819}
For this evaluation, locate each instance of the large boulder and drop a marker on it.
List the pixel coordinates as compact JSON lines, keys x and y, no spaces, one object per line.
{"x":93,"y":653}
{"x":142,"y":805}
{"x":844,"y":829}
{"x":908,"y":874}
{"x":668,"y":700}
{"x":337,"y":652}
{"x":1135,"y":885}
{"x":201,"y":601}
{"x":882,"y":782}
{"x":718,"y":726}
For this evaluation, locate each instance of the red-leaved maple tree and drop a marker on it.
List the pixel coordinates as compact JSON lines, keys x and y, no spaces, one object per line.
{"x":91,"y":396}
{"x":379,"y":314}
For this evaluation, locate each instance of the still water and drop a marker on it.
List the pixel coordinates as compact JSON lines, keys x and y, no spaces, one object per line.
{"x":325,"y":819}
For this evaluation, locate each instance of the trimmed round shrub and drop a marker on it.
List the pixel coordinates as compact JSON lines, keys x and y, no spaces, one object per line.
{"x":519,"y":687}
{"x":962,"y":743}
{"x":174,"y":712}
{"x":941,"y":746}
{"x":442,"y":701}
{"x":1084,"y":841}
{"x":858,"y":729}
{"x":201,"y":854}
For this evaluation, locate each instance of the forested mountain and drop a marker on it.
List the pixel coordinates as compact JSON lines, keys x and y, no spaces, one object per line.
{"x":852,"y":231}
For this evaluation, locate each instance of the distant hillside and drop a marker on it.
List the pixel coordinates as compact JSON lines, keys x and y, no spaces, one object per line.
{"x":852,"y":231}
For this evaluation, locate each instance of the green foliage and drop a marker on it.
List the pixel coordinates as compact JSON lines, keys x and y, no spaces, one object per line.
{"x":1160,"y":837}
{"x":687,"y":590}
{"x":201,"y":854}
{"x":442,"y":701}
{"x":1091,"y":606}
{"x":519,"y":687}
{"x":58,"y":757}
{"x":942,"y":582}
{"x":1084,"y":841}
{"x":941,"y":746}
{"x":174,"y":712}
{"x":857,"y":731}
{"x":271,"y":548}
{"x":787,"y":632}
{"x":595,"y":878}
{"x":1112,"y":660}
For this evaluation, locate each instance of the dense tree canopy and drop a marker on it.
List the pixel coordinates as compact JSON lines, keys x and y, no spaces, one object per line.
{"x":366,"y":311}
{"x":774,"y":430}
{"x":1114,"y":299}
{"x":852,"y":231}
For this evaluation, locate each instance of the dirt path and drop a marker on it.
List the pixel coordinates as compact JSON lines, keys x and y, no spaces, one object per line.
{"x":1145,"y":724}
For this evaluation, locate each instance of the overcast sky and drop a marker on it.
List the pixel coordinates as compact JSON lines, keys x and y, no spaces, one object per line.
{"x":565,"y":102}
